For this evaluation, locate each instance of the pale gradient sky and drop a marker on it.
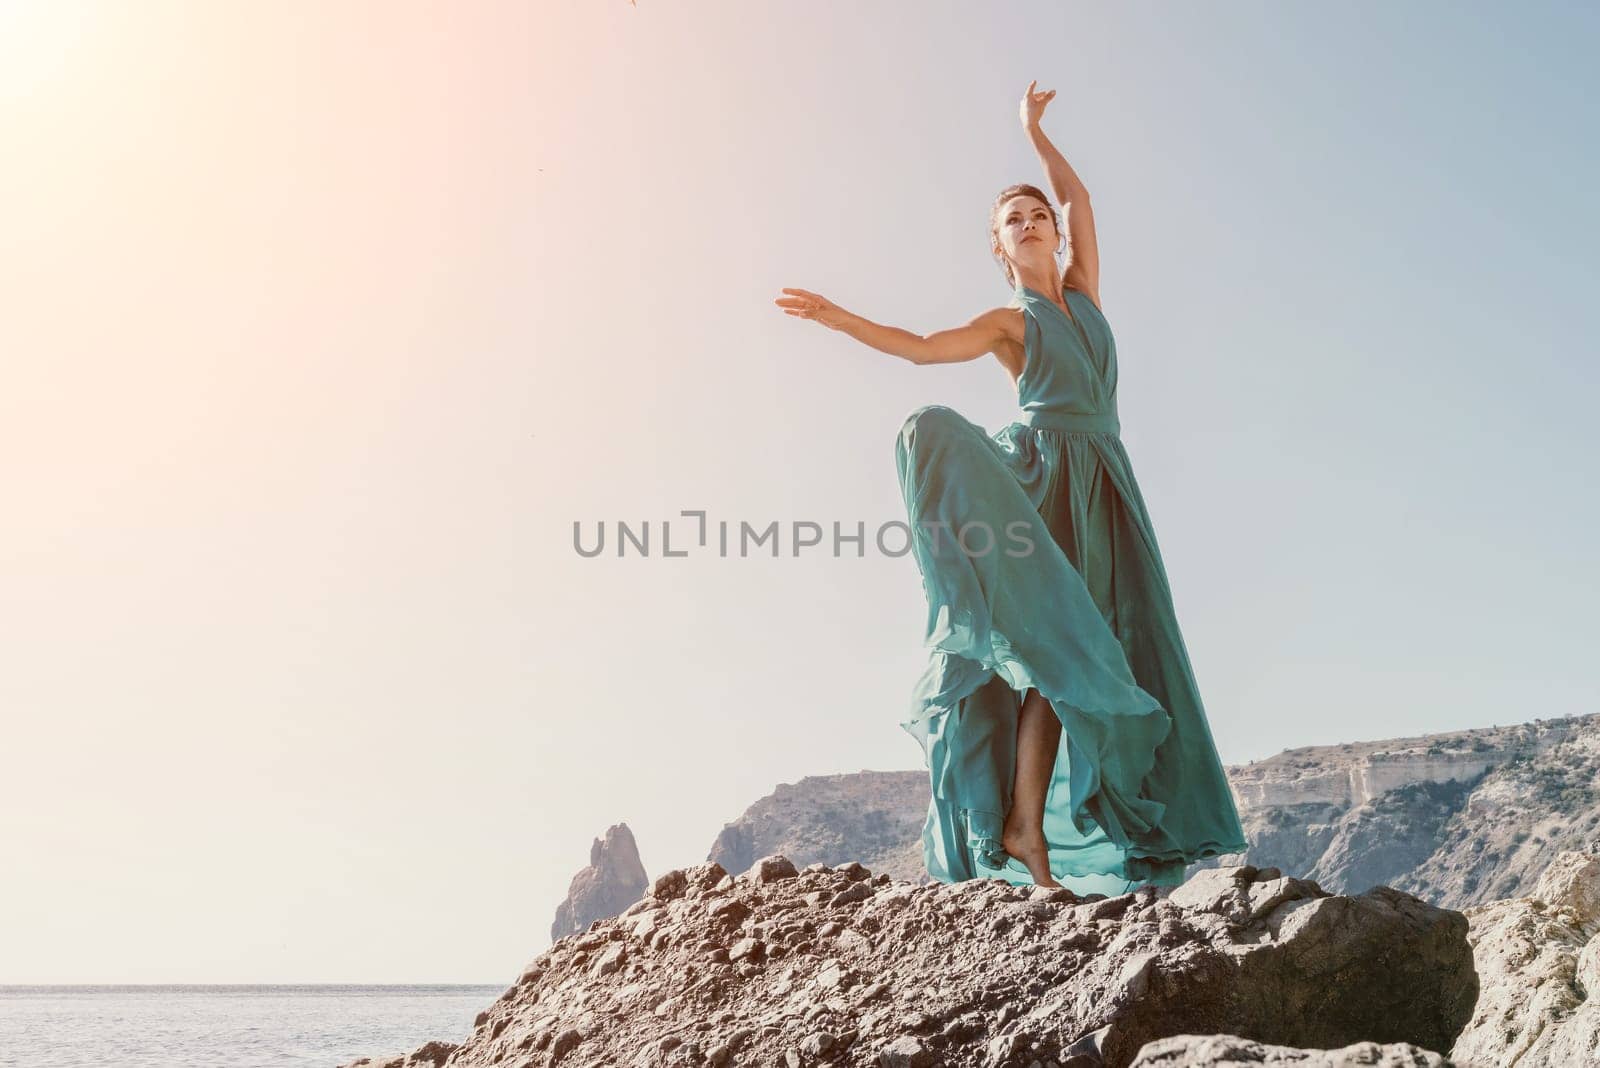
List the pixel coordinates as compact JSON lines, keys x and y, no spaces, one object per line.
{"x":323,"y":323}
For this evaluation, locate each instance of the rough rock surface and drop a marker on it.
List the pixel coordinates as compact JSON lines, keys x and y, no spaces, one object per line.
{"x":1539,"y":964}
{"x":1220,"y":1051}
{"x":429,"y":1055}
{"x":874,"y":817}
{"x":613,"y":880}
{"x":836,"y":966}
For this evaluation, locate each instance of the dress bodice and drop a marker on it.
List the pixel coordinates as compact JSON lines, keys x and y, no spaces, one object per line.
{"x":1069,"y":370}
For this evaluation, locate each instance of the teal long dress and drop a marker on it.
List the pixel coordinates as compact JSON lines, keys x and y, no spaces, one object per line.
{"x":1041,"y":570}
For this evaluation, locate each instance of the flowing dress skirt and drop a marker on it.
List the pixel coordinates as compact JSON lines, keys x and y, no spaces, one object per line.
{"x":1041,"y":571}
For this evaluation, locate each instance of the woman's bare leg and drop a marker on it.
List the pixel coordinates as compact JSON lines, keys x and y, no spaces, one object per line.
{"x":1038,"y":737}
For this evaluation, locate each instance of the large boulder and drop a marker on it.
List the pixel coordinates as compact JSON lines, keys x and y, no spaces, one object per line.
{"x":840,"y":966}
{"x":1223,"y":1051}
{"x":428,"y":1055}
{"x":1539,"y":965}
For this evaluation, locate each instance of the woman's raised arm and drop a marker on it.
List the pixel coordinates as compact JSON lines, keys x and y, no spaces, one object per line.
{"x":1083,"y":263}
{"x":983,"y":334}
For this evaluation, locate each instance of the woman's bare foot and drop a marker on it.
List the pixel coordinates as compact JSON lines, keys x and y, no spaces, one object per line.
{"x":1032,"y":850}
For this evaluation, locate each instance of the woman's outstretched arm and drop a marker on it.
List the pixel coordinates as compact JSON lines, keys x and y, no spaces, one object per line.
{"x":983,"y":334}
{"x":1083,"y":253}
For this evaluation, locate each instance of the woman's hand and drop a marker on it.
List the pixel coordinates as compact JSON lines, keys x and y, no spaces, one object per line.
{"x":808,"y":305}
{"x":1032,"y":108}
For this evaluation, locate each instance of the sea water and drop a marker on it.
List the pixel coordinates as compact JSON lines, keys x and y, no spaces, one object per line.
{"x":228,"y":1026}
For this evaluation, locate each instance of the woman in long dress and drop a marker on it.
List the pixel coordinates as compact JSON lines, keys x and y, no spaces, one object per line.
{"x":1059,"y":715}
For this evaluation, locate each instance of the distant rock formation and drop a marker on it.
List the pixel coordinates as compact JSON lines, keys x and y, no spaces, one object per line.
{"x":873,"y":817}
{"x":1538,"y":963}
{"x":1457,"y":819}
{"x":1515,"y":822}
{"x":614,"y":879}
{"x":834,"y":965}
{"x":1355,"y":773}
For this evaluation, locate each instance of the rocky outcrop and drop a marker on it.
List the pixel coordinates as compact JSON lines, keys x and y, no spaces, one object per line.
{"x":874,"y":817}
{"x":429,"y":1055}
{"x":614,"y":879}
{"x":1539,"y":966}
{"x":838,"y":966}
{"x":1220,"y":1051}
{"x":834,"y":965}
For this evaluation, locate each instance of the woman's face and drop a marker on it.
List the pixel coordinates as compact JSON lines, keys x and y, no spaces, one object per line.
{"x":1027,"y":231}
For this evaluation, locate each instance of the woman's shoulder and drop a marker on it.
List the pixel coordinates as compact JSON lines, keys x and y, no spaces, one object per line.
{"x":1012,"y":346}
{"x":1010,"y":317}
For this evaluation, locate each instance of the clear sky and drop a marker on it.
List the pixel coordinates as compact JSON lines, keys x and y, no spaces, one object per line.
{"x":323,"y":325}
